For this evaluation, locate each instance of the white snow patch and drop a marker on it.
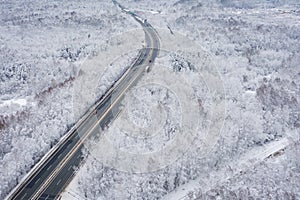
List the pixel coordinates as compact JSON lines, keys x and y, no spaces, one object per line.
{"x":19,"y":102}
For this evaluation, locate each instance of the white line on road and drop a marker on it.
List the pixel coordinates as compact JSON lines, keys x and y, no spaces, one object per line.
{"x":48,"y":167}
{"x":70,"y":167}
{"x":37,"y":180}
{"x":58,"y":182}
{"x":23,"y":196}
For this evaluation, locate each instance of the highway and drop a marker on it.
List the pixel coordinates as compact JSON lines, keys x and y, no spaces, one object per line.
{"x":55,"y":171}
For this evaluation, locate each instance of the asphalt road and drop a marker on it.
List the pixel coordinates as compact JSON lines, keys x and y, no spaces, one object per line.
{"x":55,"y":173}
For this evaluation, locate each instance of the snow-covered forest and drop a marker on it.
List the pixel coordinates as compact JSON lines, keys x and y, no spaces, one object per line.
{"x":255,"y":46}
{"x":42,"y":47}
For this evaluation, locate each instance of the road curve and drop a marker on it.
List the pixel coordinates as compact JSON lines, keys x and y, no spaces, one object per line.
{"x":55,"y":171}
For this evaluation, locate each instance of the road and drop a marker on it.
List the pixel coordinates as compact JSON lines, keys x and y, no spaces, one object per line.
{"x":53,"y":173}
{"x":237,"y":166}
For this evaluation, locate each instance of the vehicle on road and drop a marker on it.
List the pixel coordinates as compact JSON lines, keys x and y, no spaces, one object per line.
{"x":147,"y":69}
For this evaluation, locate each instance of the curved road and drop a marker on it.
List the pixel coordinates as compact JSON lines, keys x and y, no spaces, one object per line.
{"x":55,"y":171}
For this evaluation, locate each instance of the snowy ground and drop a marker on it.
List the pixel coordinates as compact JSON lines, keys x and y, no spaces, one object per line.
{"x":44,"y":50}
{"x":255,"y":46}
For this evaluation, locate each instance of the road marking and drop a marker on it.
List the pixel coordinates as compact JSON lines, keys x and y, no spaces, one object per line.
{"x":23,"y":196}
{"x":58,"y":182}
{"x":37,"y":180}
{"x":70,"y":167}
{"x":48,"y":167}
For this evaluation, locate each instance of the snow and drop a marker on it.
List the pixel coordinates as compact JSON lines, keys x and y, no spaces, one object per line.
{"x":44,"y":49}
{"x":20,"y":102}
{"x":255,"y":48}
{"x":252,"y":158}
{"x":71,"y":193}
{"x":245,"y":81}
